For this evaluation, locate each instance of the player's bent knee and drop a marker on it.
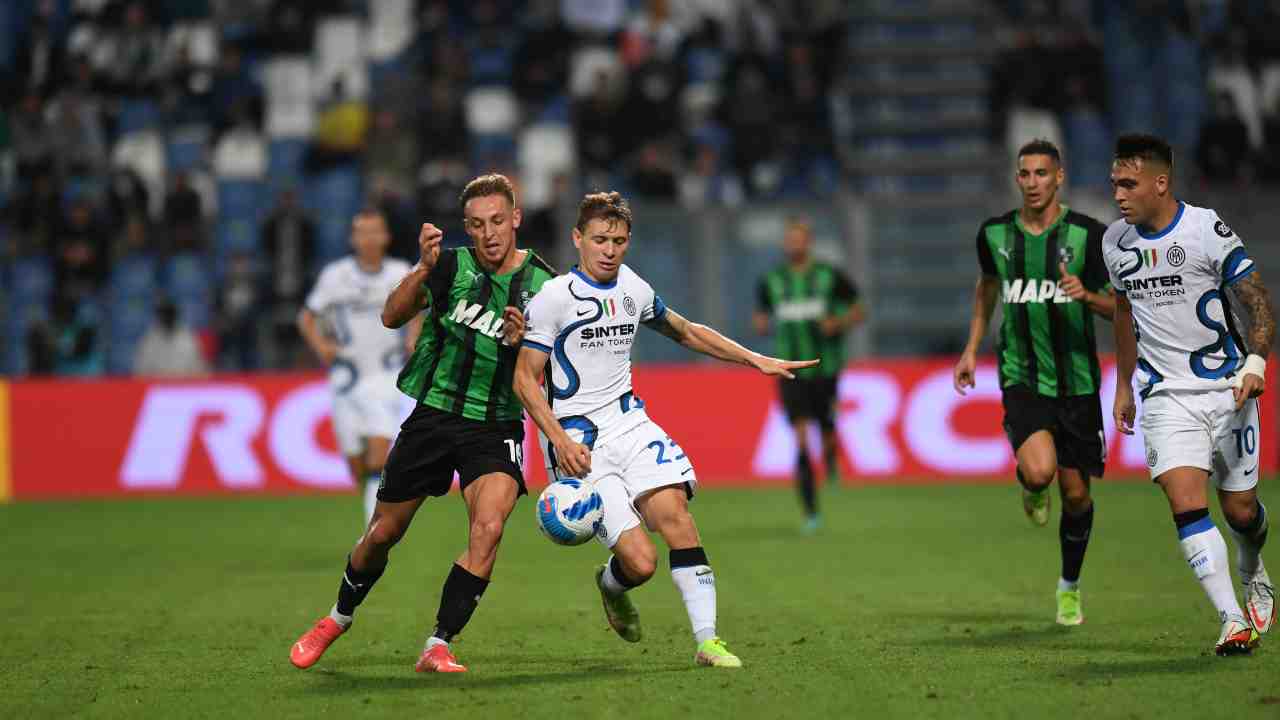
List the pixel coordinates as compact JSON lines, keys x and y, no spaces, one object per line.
{"x":1037,"y":475}
{"x":486,"y":533}
{"x":641,"y":567}
{"x":385,"y":532}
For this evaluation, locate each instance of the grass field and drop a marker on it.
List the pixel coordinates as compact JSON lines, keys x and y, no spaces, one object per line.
{"x":913,"y":602}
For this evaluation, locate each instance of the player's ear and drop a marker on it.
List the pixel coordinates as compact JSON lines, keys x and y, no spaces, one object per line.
{"x":516,"y":216}
{"x":577,"y":238}
{"x":1162,"y":184}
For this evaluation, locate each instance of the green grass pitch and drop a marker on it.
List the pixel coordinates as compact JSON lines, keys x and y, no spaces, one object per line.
{"x":914,"y":602}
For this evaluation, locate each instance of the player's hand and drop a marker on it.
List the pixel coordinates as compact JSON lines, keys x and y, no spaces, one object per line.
{"x":830,"y":326}
{"x":963,"y":375}
{"x":1124,"y":410}
{"x":429,"y":246}
{"x":573,"y":458}
{"x":513,"y":326}
{"x":1070,"y":284}
{"x":774,"y":366}
{"x":1251,"y":386}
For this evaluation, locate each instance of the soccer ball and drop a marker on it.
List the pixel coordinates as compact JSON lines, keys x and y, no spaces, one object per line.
{"x":569,"y":512}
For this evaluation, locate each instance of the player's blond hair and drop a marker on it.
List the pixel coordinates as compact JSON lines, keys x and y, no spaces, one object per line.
{"x":485,"y":185}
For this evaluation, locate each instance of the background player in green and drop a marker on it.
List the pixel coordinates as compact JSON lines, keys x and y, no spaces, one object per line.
{"x":812,"y":305}
{"x":1045,"y":261}
{"x":467,"y":418}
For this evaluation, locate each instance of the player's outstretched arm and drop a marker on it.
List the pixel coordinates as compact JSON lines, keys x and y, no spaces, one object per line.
{"x":571,"y":457}
{"x":985,"y":293}
{"x":1253,"y":294}
{"x":1124,"y":410}
{"x":702,"y":339}
{"x":409,"y":298}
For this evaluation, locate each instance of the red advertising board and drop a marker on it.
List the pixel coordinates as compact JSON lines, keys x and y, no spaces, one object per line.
{"x":897,"y":422}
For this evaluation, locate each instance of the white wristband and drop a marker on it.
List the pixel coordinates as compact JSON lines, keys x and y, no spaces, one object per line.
{"x":1253,"y":365}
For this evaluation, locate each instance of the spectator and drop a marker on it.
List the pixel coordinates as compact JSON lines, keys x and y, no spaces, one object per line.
{"x":137,"y":53}
{"x":38,"y":215}
{"x":392,"y":157}
{"x":542,"y":58}
{"x":441,"y":122}
{"x":169,"y":348}
{"x":238,"y":306}
{"x":341,"y":130}
{"x":707,"y":183}
{"x":183,"y":216}
{"x":594,"y":18}
{"x":440,"y":183}
{"x":653,"y":175}
{"x":233,"y":91}
{"x":38,"y":62}
{"x":80,"y":266}
{"x":652,"y":33}
{"x":79,"y":142}
{"x":32,"y":141}
{"x":596,"y":120}
{"x":290,"y":26}
{"x":750,"y":112}
{"x":68,"y":343}
{"x":134,"y":239}
{"x":126,"y":194}
{"x":289,"y":244}
{"x":1223,"y":150}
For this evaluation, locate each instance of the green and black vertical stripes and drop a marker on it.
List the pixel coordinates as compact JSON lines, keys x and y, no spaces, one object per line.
{"x":798,"y":299}
{"x":1046,"y":340}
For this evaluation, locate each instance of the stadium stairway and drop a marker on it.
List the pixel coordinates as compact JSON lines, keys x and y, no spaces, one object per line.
{"x":916,"y":143}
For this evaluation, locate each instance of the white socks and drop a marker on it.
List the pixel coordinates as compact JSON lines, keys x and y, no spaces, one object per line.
{"x":1067,"y":585}
{"x":697,"y":586}
{"x":343,"y":620}
{"x":371,"y":484}
{"x":609,"y":581}
{"x":1206,"y":553}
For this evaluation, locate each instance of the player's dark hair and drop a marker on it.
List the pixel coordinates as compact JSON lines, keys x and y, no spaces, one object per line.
{"x":603,"y":206}
{"x":370,"y":211}
{"x":1040,"y":146}
{"x":1147,"y":148}
{"x":486,"y":185}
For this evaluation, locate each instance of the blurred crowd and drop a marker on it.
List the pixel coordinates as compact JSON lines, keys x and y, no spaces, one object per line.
{"x":159,"y":159}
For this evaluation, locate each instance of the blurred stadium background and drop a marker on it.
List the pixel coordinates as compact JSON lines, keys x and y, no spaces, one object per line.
{"x":211,"y":153}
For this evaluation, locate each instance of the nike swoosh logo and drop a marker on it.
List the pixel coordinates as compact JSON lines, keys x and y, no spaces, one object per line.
{"x":700,"y":573}
{"x":583,"y":312}
{"x":1250,"y":471}
{"x":1257,"y":619}
{"x":1003,"y":252}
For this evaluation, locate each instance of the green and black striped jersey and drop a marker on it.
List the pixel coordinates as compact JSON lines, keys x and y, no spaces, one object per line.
{"x":797,"y":299}
{"x":1046,"y":339}
{"x":460,"y":364}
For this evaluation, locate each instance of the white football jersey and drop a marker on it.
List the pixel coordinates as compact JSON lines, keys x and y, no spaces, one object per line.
{"x":588,"y":329}
{"x":349,"y":301}
{"x":1176,"y":280}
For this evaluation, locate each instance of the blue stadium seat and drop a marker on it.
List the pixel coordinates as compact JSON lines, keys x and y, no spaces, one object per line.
{"x":333,"y":197}
{"x":241,"y":199}
{"x":491,"y":65}
{"x":137,"y":115}
{"x":187,"y":148}
{"x":186,"y":275}
{"x":284,"y":162}
{"x":1088,"y":147}
{"x":31,"y":279}
{"x":132,"y":277}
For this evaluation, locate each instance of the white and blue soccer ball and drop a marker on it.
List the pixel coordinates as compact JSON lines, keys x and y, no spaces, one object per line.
{"x":569,"y":511}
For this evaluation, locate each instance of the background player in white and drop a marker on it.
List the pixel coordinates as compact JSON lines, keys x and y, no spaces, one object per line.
{"x":586,"y":322}
{"x":1172,"y":265}
{"x":342,"y":323}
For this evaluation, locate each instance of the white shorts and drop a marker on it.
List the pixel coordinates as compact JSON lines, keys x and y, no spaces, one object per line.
{"x":370,"y":408}
{"x":1203,"y":430}
{"x":625,"y":467}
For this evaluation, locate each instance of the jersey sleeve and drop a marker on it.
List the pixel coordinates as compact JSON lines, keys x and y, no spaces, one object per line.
{"x":1095,"y":277}
{"x":764,"y":301}
{"x":654,"y":309}
{"x":441,"y":277}
{"x":844,"y":291}
{"x":543,"y":318}
{"x":985,"y":261}
{"x":321,"y":294}
{"x":1227,"y":256}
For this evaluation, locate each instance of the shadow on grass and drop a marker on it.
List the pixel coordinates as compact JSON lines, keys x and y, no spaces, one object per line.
{"x":1197,"y":665}
{"x":335,"y":681}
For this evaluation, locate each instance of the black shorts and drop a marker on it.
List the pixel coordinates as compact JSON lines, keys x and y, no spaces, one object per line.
{"x":810,"y":399}
{"x":432,"y":444}
{"x":1075,"y":423}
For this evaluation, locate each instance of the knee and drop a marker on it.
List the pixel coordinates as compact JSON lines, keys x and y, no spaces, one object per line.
{"x":1239,"y":512}
{"x":384,"y":533}
{"x":1076,"y":500}
{"x":1037,"y":473}
{"x":486,"y":533}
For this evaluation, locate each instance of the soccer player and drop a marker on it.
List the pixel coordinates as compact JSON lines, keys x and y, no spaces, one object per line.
{"x":341,"y":322}
{"x":466,"y":419}
{"x":585,"y":322}
{"x":813,"y":304}
{"x":1172,"y":265}
{"x":1044,"y":262}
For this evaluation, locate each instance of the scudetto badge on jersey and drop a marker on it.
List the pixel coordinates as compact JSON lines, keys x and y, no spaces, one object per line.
{"x":1222,"y":229}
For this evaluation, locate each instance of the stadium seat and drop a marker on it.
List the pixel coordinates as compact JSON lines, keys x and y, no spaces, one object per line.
{"x":339,"y":41}
{"x":491,"y":111}
{"x":143,"y":152}
{"x":1088,"y":147}
{"x":543,"y":151}
{"x":187,"y":148}
{"x":31,"y":280}
{"x":284,"y":162}
{"x":491,"y":64}
{"x":132,"y":276}
{"x":1027,"y":123}
{"x":240,"y":154}
{"x":136,"y":116}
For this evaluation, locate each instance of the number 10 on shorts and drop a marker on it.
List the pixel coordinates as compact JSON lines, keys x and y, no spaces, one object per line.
{"x":1246,"y":440}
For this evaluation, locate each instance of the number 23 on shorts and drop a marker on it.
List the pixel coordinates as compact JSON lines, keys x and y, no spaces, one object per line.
{"x":662,"y":448}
